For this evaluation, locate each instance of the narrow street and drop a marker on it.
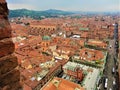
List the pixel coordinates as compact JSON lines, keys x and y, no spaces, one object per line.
{"x":110,"y":64}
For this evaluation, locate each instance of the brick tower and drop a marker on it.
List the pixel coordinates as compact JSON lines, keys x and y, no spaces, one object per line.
{"x":9,"y":75}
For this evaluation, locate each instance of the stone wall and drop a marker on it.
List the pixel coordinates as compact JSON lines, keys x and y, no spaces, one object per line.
{"x":9,"y":75}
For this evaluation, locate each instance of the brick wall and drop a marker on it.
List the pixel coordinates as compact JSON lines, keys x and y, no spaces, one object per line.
{"x":9,"y":75}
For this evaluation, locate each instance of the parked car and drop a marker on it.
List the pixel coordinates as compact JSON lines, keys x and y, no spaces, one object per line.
{"x":113,"y":70}
{"x":106,"y":83}
{"x":114,"y":81}
{"x":110,"y":46}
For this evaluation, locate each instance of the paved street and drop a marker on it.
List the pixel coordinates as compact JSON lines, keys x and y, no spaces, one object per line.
{"x":108,"y":68}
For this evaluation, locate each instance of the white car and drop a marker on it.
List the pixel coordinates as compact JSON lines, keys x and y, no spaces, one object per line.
{"x":110,"y":88}
{"x":114,"y":82}
{"x":113,"y":70}
{"x":106,"y":83}
{"x":110,"y":46}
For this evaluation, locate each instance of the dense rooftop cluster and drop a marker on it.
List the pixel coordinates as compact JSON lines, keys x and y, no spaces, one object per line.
{"x":53,"y":53}
{"x":44,"y":47}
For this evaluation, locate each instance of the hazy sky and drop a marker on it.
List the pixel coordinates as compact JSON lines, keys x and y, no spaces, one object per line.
{"x":67,"y":5}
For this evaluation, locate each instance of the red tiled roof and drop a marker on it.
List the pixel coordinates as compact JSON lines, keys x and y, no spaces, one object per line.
{"x":61,"y":84}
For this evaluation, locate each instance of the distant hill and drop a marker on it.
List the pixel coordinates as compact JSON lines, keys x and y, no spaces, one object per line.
{"x":53,"y":13}
{"x":37,"y":14}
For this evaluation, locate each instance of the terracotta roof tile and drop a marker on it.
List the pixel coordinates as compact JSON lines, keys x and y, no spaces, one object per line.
{"x":62,"y":84}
